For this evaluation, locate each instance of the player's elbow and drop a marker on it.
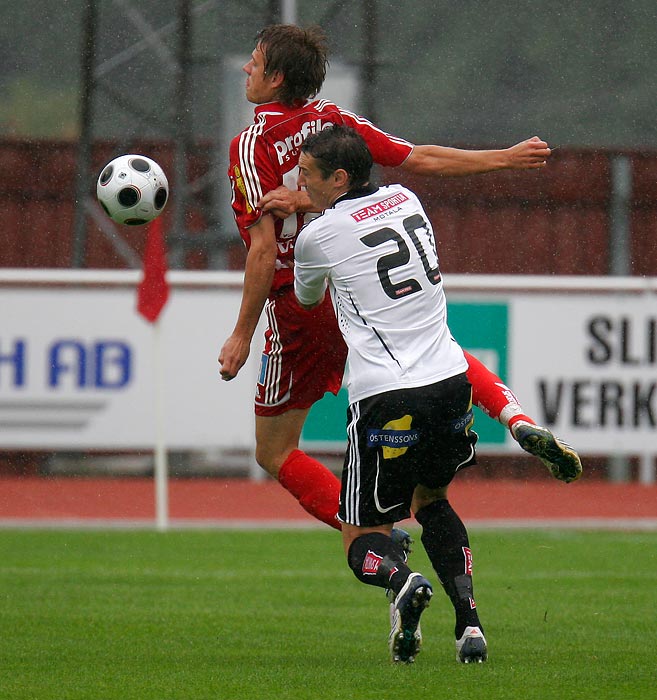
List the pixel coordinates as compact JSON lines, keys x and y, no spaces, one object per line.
{"x":424,"y":160}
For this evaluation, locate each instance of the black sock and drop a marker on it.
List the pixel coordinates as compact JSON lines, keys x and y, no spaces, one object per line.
{"x":445,"y":540}
{"x":375,"y":559}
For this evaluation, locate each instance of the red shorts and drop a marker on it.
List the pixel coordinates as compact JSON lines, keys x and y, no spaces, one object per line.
{"x":304,"y":355}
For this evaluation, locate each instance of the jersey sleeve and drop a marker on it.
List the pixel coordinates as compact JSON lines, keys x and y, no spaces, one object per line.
{"x":310,"y":267}
{"x":387,"y":150}
{"x":251,"y":174}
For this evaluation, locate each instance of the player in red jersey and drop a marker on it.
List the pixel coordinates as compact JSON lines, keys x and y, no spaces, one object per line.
{"x":304,"y":352}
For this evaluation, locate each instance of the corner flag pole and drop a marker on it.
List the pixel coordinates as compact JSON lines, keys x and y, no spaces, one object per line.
{"x":152,"y":296}
{"x":160,"y":453}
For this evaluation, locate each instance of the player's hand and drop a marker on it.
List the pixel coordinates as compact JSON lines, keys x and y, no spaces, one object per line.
{"x":281,"y":202}
{"x":531,"y":153}
{"x":232,"y":357}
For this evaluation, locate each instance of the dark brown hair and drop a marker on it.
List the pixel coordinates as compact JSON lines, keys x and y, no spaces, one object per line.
{"x":299,"y":54}
{"x":340,"y":147}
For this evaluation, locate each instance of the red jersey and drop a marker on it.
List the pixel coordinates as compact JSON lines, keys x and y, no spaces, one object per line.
{"x":266,"y":154}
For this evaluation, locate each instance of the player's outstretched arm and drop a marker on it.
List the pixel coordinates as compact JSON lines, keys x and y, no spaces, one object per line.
{"x":283,"y":202}
{"x":442,"y":160}
{"x":258,"y":277}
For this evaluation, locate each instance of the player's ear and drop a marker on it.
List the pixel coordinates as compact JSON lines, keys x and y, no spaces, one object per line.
{"x":341,"y":177}
{"x":276,"y":78}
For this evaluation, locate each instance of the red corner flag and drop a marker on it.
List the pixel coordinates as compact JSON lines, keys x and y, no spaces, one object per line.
{"x":153,"y":290}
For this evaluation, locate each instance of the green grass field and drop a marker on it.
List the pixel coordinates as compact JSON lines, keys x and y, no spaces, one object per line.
{"x":249,"y":615}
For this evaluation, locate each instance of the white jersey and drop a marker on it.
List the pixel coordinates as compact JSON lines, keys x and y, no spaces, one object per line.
{"x":376,"y":251}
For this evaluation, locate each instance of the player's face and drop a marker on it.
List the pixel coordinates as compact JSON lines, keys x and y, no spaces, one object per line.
{"x":260,"y":87}
{"x":322,"y":191}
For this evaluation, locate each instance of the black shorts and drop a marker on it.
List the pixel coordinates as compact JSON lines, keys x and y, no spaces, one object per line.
{"x":400,"y":439}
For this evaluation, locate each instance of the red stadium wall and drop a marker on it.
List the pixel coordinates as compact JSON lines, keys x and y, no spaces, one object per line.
{"x":553,"y":222}
{"x":37,"y":200}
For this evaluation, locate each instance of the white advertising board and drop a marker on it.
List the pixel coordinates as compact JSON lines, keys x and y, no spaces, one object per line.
{"x":77,"y":370}
{"x":76,"y":361}
{"x":586,"y":365}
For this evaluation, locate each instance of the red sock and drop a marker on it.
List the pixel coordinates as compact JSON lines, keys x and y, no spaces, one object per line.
{"x":492,"y":395}
{"x":517,"y":419}
{"x":315,"y":487}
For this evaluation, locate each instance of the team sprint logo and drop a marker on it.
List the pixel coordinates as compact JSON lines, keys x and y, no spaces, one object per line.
{"x":380,"y":207}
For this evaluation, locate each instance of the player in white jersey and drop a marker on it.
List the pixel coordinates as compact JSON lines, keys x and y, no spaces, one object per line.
{"x":410,"y":412}
{"x":396,"y":330}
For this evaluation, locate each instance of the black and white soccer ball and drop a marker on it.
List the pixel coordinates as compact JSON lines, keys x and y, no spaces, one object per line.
{"x":132,"y":189}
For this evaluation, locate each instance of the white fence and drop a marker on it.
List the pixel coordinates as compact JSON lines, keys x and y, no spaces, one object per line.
{"x":76,"y":370}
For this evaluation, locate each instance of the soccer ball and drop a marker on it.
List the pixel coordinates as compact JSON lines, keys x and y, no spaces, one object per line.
{"x":132,"y":190}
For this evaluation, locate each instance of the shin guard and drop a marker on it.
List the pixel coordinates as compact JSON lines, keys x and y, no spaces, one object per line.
{"x":445,"y":540}
{"x":376,"y":560}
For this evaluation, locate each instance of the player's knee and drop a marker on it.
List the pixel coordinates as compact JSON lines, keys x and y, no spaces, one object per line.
{"x":423,"y":497}
{"x":268,"y":460}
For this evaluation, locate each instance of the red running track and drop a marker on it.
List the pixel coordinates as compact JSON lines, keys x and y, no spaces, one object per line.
{"x":240,"y":502}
